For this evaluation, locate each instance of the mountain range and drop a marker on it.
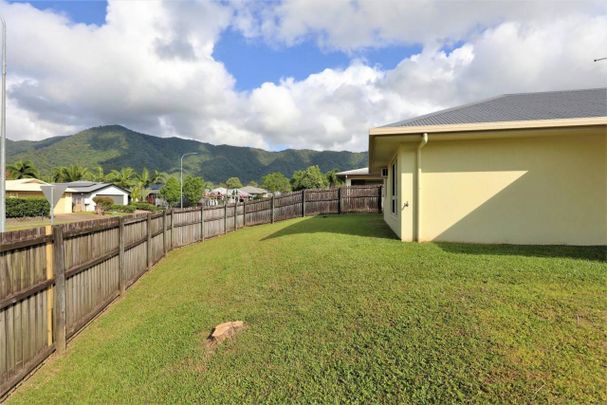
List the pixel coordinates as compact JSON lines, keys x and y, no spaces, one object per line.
{"x":115,"y":147}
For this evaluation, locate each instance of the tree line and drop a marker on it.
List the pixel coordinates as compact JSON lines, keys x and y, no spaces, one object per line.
{"x":139,"y":184}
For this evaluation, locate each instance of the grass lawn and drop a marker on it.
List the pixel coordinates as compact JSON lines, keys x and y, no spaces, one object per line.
{"x":339,"y":310}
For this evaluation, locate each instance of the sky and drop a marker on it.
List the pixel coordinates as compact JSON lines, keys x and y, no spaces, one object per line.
{"x":284,"y":74}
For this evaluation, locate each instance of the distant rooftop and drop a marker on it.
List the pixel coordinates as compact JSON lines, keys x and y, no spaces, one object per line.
{"x":354,"y":172}
{"x":519,"y":107}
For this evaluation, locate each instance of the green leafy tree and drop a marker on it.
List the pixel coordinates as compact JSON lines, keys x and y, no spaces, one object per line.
{"x":276,"y":181}
{"x":125,"y":177}
{"x":252,"y":183}
{"x":233,"y":182}
{"x":193,"y":188}
{"x":23,"y":169}
{"x":170,"y":192}
{"x":310,"y":177}
{"x":332,"y":178}
{"x":71,"y":173}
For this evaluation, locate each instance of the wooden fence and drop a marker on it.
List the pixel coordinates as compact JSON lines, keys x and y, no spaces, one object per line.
{"x":54,"y":280}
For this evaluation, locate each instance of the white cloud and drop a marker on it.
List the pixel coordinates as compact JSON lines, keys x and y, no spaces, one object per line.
{"x":151,"y":66}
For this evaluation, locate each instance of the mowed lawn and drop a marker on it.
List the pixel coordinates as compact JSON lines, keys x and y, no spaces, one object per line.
{"x":339,"y":310}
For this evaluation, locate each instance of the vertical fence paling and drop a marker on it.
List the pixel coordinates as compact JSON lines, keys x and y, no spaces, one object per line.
{"x":54,"y":281}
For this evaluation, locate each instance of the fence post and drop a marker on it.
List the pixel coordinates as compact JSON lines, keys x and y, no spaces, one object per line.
{"x":303,"y":202}
{"x":225,"y":218}
{"x":50,"y":257}
{"x":164,"y":232}
{"x":149,"y":244}
{"x":339,"y":200}
{"x":236,"y":215}
{"x":172,"y":229}
{"x":59,"y":269}
{"x":202,"y":223}
{"x":244,"y":214}
{"x":272,"y":209}
{"x":121,"y":270}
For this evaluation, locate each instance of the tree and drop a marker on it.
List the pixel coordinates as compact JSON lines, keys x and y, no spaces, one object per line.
{"x":125,"y":177}
{"x":22,"y":169}
{"x":67,"y":174}
{"x":332,"y":178}
{"x":98,"y":174}
{"x":252,"y":183}
{"x":192,"y":189}
{"x":170,"y":191}
{"x":233,"y":182}
{"x":276,"y":181}
{"x":158,"y":177}
{"x":311,"y":177}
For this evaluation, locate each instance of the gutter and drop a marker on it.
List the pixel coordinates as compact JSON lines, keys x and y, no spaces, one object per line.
{"x":418,"y":182}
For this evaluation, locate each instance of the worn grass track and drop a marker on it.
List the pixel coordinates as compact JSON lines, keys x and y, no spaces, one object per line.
{"x":338,"y":310}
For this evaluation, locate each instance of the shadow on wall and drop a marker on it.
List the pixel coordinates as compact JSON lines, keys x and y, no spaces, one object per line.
{"x":555,"y":199}
{"x":592,"y":253}
{"x":367,"y":225}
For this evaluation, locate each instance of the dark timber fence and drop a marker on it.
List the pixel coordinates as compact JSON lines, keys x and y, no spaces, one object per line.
{"x":54,"y":280}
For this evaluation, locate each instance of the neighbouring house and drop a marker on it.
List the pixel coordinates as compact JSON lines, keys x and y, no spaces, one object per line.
{"x":153,"y":197}
{"x":525,"y":168}
{"x":31,"y":188}
{"x":359,"y":177}
{"x":83,"y":193}
{"x":255,"y":192}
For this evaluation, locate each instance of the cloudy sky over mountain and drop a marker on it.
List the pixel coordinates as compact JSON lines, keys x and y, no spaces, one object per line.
{"x":298,"y":73}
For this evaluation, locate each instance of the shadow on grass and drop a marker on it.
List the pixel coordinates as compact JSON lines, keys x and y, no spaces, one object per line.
{"x":593,"y":253}
{"x":368,"y":225}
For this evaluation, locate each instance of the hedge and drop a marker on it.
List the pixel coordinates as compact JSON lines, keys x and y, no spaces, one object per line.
{"x":122,"y":208}
{"x":27,"y":207}
{"x":143,"y":206}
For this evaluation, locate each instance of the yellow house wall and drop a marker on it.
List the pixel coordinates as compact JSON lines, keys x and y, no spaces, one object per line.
{"x":64,"y":205}
{"x":533,"y":190}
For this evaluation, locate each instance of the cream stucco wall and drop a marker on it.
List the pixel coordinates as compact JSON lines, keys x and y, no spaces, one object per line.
{"x":525,"y":190}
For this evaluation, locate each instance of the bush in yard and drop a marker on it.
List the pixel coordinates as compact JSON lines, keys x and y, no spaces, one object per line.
{"x":128,"y":209}
{"x":143,"y":206}
{"x":103,"y":203}
{"x":27,"y":207}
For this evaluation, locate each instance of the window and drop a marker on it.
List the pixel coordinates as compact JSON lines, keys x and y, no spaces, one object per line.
{"x":393,"y":187}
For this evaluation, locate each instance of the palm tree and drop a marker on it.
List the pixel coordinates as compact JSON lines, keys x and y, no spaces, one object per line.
{"x":98,"y":174}
{"x":159,"y":177}
{"x":70,"y":173}
{"x":23,"y":169}
{"x":125,"y":177}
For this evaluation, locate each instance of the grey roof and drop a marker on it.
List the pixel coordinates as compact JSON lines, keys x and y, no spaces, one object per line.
{"x":355,"y":172}
{"x":84,"y":186}
{"x":520,"y":107}
{"x":253,"y":190}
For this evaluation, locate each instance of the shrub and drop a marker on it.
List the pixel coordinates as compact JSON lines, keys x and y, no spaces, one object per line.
{"x":143,"y":206}
{"x":27,"y":207}
{"x":104,"y":203}
{"x":122,"y":208}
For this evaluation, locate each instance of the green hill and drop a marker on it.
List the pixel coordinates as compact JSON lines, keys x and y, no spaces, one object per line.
{"x":114,"y":147}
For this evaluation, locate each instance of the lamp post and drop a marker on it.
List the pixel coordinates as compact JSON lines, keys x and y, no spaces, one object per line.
{"x":181,"y":176}
{"x":3,"y":133}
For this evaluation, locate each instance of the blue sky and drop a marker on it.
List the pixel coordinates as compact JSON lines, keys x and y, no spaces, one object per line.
{"x":253,"y":62}
{"x":183,"y":68}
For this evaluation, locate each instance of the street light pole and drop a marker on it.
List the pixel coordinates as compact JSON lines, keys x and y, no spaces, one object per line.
{"x":3,"y":133}
{"x":181,"y":176}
